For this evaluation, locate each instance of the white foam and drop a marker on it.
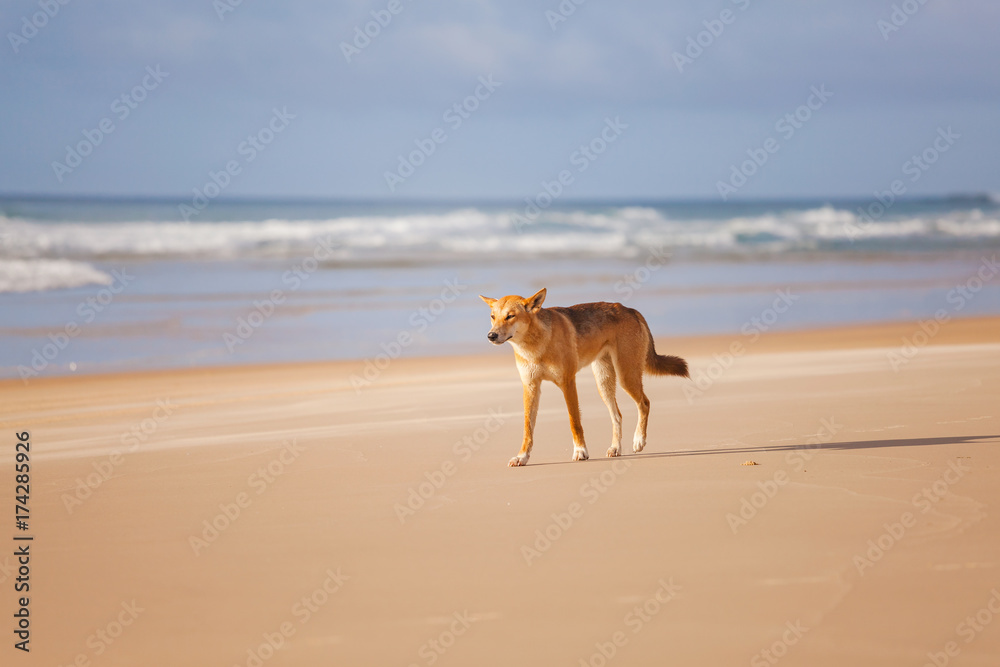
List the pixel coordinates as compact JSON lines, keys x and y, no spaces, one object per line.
{"x":976,"y":227}
{"x":34,"y":275}
{"x":470,"y":232}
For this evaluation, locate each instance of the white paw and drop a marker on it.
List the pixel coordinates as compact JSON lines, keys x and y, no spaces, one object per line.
{"x":614,"y":451}
{"x":580,"y":454}
{"x":519,"y":460}
{"x":638,"y":445}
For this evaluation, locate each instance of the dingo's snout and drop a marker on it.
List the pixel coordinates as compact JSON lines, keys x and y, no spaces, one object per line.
{"x":499,"y":337}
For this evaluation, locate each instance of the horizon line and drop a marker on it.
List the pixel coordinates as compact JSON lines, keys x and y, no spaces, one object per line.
{"x":626,"y":200}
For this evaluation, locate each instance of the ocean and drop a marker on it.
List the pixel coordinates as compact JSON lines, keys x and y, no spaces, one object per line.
{"x":98,"y":285}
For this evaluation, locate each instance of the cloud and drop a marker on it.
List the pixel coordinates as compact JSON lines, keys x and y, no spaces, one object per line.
{"x":605,"y":58}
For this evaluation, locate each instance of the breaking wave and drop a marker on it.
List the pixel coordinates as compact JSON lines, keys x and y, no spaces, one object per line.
{"x":37,"y":254}
{"x":34,"y":275}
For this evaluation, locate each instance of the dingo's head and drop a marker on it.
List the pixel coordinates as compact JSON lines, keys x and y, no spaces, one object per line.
{"x":511,"y":315}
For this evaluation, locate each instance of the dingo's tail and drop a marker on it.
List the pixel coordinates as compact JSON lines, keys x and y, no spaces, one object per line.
{"x":661,"y":364}
{"x":664,"y":364}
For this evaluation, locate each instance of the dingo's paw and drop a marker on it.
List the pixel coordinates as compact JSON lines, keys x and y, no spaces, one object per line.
{"x":614,"y":451}
{"x":519,"y":460}
{"x":580,"y":454}
{"x":638,"y":445}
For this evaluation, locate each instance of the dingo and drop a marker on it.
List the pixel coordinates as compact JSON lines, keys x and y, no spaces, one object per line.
{"x":555,"y":343}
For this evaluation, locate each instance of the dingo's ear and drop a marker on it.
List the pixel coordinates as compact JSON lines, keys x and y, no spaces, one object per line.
{"x":488,"y":300}
{"x":534,"y":302}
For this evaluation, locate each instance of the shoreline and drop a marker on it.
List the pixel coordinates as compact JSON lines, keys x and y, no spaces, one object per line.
{"x":232,"y":314}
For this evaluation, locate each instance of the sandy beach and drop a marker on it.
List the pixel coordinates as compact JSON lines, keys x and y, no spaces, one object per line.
{"x":288,"y":515}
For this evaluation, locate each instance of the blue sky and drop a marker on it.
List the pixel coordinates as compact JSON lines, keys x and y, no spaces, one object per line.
{"x":555,"y":82}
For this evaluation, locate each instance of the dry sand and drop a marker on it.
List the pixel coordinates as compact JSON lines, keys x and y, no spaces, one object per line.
{"x":837,"y":558}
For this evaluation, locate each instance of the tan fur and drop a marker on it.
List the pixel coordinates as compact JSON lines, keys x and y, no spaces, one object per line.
{"x":555,"y":343}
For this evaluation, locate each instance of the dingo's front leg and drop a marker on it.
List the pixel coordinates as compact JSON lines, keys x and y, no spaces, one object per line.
{"x":575,"y":425}
{"x":532,"y":392}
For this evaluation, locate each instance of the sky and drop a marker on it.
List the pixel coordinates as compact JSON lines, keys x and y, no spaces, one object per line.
{"x":624,"y":100}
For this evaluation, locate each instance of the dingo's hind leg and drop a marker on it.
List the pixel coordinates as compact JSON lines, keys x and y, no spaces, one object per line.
{"x":604,"y":373}
{"x":630,"y":377}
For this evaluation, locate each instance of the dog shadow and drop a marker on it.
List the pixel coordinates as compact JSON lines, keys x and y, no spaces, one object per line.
{"x":825,"y":446}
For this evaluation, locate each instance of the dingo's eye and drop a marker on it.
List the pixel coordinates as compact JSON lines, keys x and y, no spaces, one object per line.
{"x":492,"y":318}
{"x":509,"y":317}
